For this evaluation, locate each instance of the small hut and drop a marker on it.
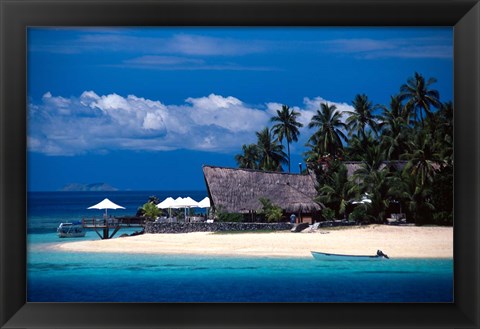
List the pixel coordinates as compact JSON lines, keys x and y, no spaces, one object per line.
{"x":239,"y":190}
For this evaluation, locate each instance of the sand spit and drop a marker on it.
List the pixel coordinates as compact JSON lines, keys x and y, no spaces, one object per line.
{"x":395,"y":241}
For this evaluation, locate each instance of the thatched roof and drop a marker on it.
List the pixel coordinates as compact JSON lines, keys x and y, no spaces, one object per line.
{"x":239,"y":190}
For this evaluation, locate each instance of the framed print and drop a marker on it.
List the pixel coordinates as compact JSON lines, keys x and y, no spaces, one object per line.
{"x":118,"y":117}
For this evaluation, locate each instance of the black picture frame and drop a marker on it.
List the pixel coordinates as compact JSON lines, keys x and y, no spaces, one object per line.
{"x":16,"y":15}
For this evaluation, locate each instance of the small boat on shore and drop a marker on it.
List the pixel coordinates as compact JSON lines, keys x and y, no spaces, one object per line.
{"x":71,"y":230}
{"x":326,"y":256}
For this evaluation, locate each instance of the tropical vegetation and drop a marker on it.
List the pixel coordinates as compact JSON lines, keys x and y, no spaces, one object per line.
{"x":402,"y":154}
{"x":271,"y":212}
{"x":286,"y":127}
{"x":150,"y":211}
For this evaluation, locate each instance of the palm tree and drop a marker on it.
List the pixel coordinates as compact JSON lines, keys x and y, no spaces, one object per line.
{"x":446,"y":112}
{"x":355,"y":151}
{"x":150,"y":210}
{"x":249,"y":158}
{"x":394,"y":128}
{"x":270,"y":152}
{"x":313,"y":150}
{"x":287,"y":127}
{"x":337,"y":190}
{"x":446,"y":131}
{"x":372,"y":161}
{"x":313,"y":154}
{"x":373,"y":157}
{"x":442,"y":199}
{"x":372,"y":178}
{"x":329,"y":134}
{"x":419,"y":96}
{"x":441,"y":127}
{"x":362,"y":116}
{"x":423,"y":158}
{"x":405,"y":188}
{"x":378,"y":184}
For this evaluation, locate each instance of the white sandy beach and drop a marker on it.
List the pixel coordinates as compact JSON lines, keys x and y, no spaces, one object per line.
{"x":395,"y":241}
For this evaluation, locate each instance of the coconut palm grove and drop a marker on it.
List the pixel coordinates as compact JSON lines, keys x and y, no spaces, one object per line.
{"x":403,"y":153}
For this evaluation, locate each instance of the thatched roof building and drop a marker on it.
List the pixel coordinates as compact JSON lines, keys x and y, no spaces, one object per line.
{"x":239,"y":190}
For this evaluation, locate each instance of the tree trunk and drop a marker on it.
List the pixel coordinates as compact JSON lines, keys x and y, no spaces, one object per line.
{"x":288,"y":147}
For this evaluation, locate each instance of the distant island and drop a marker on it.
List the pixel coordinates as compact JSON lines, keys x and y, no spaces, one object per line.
{"x":94,"y":187}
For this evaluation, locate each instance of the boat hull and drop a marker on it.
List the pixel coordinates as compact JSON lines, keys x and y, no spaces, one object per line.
{"x":327,"y":256}
{"x":70,"y":230}
{"x":71,"y":235}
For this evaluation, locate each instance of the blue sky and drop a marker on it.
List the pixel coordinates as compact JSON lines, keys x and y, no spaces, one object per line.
{"x":145,"y":108}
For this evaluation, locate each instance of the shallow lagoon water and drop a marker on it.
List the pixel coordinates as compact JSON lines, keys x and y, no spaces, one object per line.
{"x":101,"y":277}
{"x":59,"y":276}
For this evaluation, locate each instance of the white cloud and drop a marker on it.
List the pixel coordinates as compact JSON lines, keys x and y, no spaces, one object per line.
{"x":62,"y":104}
{"x":95,"y":123}
{"x":152,"y":60}
{"x":309,"y":109}
{"x":312,"y":105}
{"x":214,"y":102}
{"x":273,"y":107}
{"x":153,"y":121}
{"x":190,"y":44}
{"x":183,"y":51}
{"x":111,"y":102}
{"x":439,"y":52}
{"x":362,"y":45}
{"x":101,"y":123}
{"x":226,"y":112}
{"x":366,"y":48}
{"x":60,"y":126}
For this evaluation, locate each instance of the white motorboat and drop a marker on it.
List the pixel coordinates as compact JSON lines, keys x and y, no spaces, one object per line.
{"x":71,"y":230}
{"x":326,"y":256}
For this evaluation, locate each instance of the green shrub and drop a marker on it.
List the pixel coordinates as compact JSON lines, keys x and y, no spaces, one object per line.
{"x":150,"y":211}
{"x":359,"y":214}
{"x":443,"y":218}
{"x":328,"y":214}
{"x":229,"y":217}
{"x":272,"y":212}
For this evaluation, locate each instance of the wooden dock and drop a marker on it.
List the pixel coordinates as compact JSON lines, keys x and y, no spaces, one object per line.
{"x":111,"y":224}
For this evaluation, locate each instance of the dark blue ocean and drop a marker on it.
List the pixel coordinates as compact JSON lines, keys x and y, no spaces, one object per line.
{"x":60,"y":276}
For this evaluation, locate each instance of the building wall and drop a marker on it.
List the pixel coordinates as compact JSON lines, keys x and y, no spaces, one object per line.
{"x":213,"y":227}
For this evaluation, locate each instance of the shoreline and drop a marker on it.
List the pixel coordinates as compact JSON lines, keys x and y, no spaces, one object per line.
{"x":395,"y":241}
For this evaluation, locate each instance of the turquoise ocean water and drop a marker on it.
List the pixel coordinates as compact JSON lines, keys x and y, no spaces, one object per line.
{"x":56,"y":276}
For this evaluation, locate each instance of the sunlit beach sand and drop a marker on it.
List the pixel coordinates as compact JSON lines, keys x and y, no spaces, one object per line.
{"x":395,"y":241}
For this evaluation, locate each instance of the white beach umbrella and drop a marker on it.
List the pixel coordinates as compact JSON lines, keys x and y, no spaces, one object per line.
{"x":106,"y":204}
{"x":167,"y":203}
{"x":205,"y":203}
{"x":366,"y":198}
{"x":177,"y":203}
{"x":363,"y":201}
{"x":187,"y":202}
